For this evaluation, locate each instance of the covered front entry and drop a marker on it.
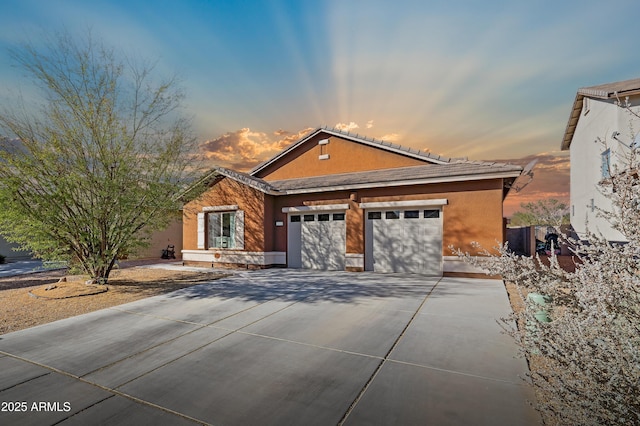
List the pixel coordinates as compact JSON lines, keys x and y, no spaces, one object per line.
{"x":404,"y":240}
{"x":316,"y":240}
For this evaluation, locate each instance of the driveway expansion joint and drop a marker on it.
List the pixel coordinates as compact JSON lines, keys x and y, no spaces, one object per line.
{"x":353,"y":404}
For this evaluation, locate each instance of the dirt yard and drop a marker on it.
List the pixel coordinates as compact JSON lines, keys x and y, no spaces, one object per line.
{"x":39,"y":298}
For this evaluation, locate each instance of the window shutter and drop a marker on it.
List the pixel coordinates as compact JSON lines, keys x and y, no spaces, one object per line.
{"x":239,"y":230}
{"x":201,"y":230}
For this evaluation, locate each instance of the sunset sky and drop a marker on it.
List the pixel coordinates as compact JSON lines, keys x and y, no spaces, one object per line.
{"x":488,"y":80}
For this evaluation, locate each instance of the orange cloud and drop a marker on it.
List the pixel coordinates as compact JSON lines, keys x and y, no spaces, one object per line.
{"x":550,"y":180}
{"x":347,"y":127}
{"x":244,"y":149}
{"x":390,"y":137}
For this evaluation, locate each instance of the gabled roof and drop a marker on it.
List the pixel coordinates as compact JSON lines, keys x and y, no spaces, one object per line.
{"x":253,"y":182}
{"x":618,"y":89}
{"x":377,"y":143}
{"x":401,"y":176}
{"x":414,"y":175}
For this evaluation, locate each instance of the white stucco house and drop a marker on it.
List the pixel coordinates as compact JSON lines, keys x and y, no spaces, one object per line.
{"x":599,"y":135}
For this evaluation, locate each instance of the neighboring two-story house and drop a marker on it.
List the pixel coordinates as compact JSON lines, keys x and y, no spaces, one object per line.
{"x":337,"y":201}
{"x":599,"y":136}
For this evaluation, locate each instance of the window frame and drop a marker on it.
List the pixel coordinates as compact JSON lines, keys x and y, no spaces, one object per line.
{"x":605,"y":164}
{"x":431,"y":214}
{"x":413,"y":214}
{"x":392,"y":214}
{"x":216,"y":238}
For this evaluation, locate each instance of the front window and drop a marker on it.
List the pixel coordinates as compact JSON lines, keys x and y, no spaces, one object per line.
{"x":222,"y":229}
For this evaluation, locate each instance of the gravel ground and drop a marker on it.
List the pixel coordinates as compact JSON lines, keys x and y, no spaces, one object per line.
{"x":19,"y":308}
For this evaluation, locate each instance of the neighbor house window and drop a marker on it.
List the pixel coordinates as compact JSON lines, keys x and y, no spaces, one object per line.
{"x":222,"y":229}
{"x":605,"y":164}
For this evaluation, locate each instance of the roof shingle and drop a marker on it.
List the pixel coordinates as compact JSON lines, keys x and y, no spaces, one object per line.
{"x":462,"y":170}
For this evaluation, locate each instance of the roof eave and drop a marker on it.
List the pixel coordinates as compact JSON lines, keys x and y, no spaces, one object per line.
{"x":576,"y":110}
{"x":412,"y":182}
{"x":572,"y":123}
{"x":233,"y":175}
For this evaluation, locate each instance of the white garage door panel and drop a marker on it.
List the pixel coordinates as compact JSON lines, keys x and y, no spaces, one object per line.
{"x":410,"y":245}
{"x":410,"y":258}
{"x":323,"y":245}
{"x":317,"y":244}
{"x":385,"y":248}
{"x":294,"y":257}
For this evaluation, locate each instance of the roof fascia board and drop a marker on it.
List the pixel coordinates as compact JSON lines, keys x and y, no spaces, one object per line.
{"x":576,"y":111}
{"x":605,"y":94}
{"x":387,"y":184}
{"x":229,"y":174}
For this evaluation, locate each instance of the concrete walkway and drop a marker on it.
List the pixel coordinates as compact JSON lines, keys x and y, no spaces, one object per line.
{"x":276,"y":347}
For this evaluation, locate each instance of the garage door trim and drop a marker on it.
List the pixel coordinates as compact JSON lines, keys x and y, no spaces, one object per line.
{"x":403,"y":204}
{"x":321,"y":207}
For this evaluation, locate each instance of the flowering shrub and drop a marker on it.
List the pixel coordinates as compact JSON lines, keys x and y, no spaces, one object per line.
{"x":584,"y":354}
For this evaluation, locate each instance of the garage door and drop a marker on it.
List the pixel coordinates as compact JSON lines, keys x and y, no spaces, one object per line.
{"x":404,"y":241}
{"x":317,"y":241}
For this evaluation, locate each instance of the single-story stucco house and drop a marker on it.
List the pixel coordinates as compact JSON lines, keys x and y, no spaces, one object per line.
{"x":337,"y":201}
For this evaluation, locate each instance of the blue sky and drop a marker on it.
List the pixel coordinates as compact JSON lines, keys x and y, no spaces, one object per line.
{"x":484,"y":79}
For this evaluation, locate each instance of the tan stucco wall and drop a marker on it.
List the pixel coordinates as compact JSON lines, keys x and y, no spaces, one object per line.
{"x":473,"y":212}
{"x":159,"y":241}
{"x":344,"y":156}
{"x":228,"y":192}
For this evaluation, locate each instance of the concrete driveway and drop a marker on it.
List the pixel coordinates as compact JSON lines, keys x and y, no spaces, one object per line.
{"x":20,"y":267}
{"x":276,"y":347}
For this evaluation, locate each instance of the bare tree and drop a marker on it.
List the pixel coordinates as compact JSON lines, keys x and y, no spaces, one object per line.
{"x":581,"y":331}
{"x":99,"y":162}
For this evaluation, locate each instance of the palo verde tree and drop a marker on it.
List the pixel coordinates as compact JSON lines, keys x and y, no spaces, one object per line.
{"x":549,"y":212}
{"x":98,"y":162}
